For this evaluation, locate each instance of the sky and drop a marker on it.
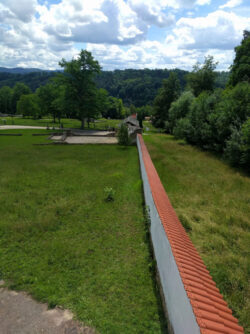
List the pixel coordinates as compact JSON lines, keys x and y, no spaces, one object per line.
{"x":121,"y":33}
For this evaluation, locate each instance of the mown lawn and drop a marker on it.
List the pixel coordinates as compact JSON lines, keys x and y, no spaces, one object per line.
{"x":100,"y":124}
{"x":63,"y":243}
{"x":212,"y":201}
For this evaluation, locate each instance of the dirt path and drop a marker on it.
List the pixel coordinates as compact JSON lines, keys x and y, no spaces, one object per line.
{"x":20,"y":314}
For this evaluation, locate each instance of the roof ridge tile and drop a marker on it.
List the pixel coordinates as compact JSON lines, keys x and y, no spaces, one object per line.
{"x":211,"y":311}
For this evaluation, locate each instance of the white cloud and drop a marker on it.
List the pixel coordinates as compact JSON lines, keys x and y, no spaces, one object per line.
{"x":116,"y":31}
{"x":151,"y":12}
{"x":218,"y":30}
{"x":23,"y":10}
{"x":231,"y":4}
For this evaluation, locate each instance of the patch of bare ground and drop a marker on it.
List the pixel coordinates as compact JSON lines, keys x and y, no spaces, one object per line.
{"x":20,"y":314}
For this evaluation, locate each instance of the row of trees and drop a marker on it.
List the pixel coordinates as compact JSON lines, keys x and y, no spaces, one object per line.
{"x":213,"y":119}
{"x":72,"y":94}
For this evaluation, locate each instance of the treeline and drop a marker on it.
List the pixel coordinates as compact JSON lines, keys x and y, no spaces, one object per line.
{"x":212,"y":118}
{"x":134,"y":87}
{"x":33,"y":80}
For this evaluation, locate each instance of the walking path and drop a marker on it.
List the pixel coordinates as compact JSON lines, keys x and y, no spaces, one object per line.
{"x":20,"y":314}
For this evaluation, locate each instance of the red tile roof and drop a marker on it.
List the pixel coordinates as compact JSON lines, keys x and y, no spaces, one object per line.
{"x":211,"y":311}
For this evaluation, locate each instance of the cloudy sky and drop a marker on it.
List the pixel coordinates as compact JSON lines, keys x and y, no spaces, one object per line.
{"x":121,"y":33}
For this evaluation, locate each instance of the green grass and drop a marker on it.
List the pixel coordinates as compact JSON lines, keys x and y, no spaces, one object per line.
{"x":100,"y":124}
{"x":212,"y":201}
{"x":63,"y":243}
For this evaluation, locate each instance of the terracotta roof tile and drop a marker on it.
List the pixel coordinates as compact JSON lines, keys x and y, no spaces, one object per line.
{"x":211,"y":311}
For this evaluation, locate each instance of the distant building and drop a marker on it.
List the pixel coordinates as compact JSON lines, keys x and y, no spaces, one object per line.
{"x":133,"y":127}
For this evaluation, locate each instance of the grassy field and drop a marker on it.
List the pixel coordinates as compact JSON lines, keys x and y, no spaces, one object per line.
{"x":212,"y":201}
{"x":100,"y":124}
{"x":63,"y":243}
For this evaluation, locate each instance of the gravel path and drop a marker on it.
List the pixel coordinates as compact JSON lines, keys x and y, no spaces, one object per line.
{"x":91,"y":140}
{"x":20,"y":314}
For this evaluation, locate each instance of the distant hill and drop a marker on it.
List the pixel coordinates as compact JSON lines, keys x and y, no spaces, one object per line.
{"x":20,"y":70}
{"x":138,"y":87}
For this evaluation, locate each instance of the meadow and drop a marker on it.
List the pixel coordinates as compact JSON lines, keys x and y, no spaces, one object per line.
{"x":212,"y":201}
{"x":65,"y":244}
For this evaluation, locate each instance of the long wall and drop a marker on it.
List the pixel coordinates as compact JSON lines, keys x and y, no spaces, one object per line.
{"x":194,"y":304}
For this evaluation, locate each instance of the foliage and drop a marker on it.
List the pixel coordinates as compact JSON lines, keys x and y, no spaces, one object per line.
{"x":6,"y":94}
{"x":169,"y":92}
{"x":18,"y":90}
{"x":245,"y":149}
{"x":137,"y":87}
{"x":240,"y":70}
{"x":109,"y":194}
{"x":28,"y":105}
{"x":123,"y":136}
{"x":183,"y":129}
{"x":78,"y":78}
{"x":202,"y":78}
{"x":180,"y":108}
{"x":214,"y":201}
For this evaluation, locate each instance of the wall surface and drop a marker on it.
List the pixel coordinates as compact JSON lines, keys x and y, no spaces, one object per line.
{"x":194,"y":304}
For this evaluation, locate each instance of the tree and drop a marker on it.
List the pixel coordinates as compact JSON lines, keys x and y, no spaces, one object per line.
{"x":52,"y":99}
{"x":5,"y":99}
{"x":240,"y":70}
{"x":28,"y":105}
{"x":180,"y":108}
{"x":78,"y":78}
{"x":169,"y":92}
{"x":202,"y":78}
{"x":18,"y":90}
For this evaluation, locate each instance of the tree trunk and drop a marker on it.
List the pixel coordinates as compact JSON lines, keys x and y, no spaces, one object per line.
{"x":88,"y":122}
{"x":82,"y":126}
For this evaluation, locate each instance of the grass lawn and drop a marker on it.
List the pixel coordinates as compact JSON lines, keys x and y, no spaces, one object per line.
{"x":212,"y":201}
{"x":100,"y":124}
{"x":63,"y":243}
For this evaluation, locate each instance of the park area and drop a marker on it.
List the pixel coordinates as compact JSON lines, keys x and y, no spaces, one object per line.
{"x":65,"y":244}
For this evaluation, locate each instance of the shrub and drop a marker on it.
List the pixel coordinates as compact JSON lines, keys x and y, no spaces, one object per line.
{"x":123,"y":137}
{"x":183,"y":129}
{"x":180,"y":108}
{"x":109,"y":194}
{"x":233,"y":148}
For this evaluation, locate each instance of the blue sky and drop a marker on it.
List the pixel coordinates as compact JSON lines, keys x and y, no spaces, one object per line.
{"x":121,"y":33}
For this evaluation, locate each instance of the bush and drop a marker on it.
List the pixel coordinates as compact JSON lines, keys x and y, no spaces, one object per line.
{"x":233,"y":148}
{"x":183,"y":129}
{"x":180,"y":108}
{"x":245,"y":136}
{"x":109,"y":194}
{"x":123,"y":137}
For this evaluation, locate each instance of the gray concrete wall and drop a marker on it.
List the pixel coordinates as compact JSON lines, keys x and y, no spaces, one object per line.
{"x":180,"y":313}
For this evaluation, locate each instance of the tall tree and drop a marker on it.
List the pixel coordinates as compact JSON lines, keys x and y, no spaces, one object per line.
{"x":5,"y":99}
{"x":19,"y":90}
{"x":202,"y":78}
{"x":240,"y":70}
{"x":79,"y":79}
{"x":169,"y":92}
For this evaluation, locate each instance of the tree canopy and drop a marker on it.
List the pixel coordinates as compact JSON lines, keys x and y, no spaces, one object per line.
{"x":203,"y":76}
{"x":169,"y":92}
{"x":81,"y":89}
{"x":240,"y":70}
